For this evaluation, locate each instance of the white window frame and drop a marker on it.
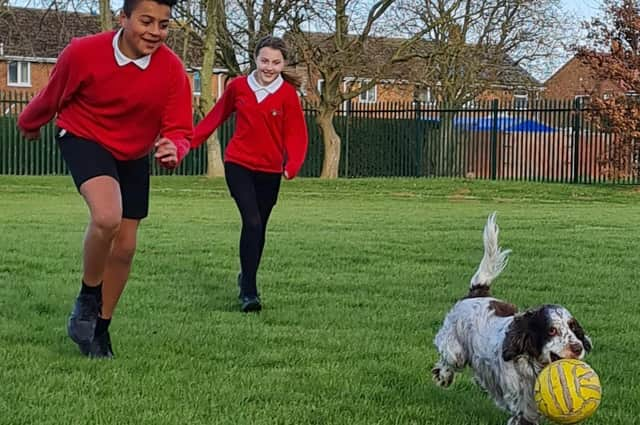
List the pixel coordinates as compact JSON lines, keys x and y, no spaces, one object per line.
{"x":366,"y":97}
{"x":520,"y":101}
{"x":427,"y":94}
{"x":319,"y":86}
{"x":195,"y":89}
{"x":19,"y":82}
{"x":583,"y":100}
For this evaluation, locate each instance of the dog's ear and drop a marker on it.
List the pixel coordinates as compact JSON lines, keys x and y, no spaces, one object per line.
{"x":524,"y":335}
{"x":581,"y":335}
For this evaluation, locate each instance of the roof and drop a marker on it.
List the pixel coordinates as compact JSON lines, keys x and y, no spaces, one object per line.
{"x":377,"y":50}
{"x":43,"y":33}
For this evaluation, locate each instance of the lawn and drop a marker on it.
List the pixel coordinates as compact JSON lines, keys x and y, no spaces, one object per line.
{"x":356,"y":278}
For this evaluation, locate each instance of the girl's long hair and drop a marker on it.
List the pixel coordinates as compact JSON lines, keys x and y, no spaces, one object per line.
{"x":276,"y":43}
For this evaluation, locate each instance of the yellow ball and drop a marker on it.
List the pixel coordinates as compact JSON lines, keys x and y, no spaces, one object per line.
{"x":567,"y":391}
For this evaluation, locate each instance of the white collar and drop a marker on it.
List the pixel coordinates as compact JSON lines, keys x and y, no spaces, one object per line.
{"x":271,"y":88}
{"x":122,"y":60}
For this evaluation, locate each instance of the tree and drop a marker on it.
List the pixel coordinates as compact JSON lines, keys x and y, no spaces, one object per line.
{"x":343,"y":58}
{"x":471,"y":46}
{"x":613,"y":54}
{"x":106,"y":17}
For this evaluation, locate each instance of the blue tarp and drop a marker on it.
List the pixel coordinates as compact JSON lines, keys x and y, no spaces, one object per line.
{"x":502,"y":123}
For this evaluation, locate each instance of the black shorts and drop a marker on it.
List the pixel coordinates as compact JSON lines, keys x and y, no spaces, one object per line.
{"x":87,"y":159}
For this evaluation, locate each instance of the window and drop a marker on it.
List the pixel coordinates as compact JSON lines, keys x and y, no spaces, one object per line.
{"x":581,"y":101}
{"x":320,"y":87}
{"x":423,"y":95}
{"x":19,"y":74}
{"x":197,"y":83}
{"x":369,"y":96}
{"x":520,"y":101}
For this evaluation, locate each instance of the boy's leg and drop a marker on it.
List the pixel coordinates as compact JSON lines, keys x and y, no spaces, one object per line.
{"x":94,"y":172}
{"x":134,"y":190}
{"x":102,"y":195}
{"x":118,"y":266}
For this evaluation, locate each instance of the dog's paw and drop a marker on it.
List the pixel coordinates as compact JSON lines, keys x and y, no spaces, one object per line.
{"x":442,"y":376}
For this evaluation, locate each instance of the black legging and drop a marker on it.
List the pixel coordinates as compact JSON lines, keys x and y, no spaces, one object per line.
{"x":255,"y":194}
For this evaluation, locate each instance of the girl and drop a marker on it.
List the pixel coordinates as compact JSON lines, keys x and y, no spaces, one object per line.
{"x":270,"y":140}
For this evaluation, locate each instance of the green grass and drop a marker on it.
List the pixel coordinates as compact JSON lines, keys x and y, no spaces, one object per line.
{"x":356,"y":279}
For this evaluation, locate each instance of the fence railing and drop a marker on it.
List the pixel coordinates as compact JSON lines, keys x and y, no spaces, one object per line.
{"x":550,"y":141}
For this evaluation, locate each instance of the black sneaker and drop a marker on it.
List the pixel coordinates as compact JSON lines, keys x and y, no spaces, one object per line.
{"x":100,"y":347}
{"x":250,"y":303}
{"x":82,"y":321}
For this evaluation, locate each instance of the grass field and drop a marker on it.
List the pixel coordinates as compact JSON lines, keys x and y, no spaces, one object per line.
{"x":356,"y":279}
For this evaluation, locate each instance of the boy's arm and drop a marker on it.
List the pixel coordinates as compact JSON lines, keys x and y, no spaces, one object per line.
{"x":218,"y":114}
{"x":295,"y":136}
{"x":177,"y":119}
{"x":63,"y":82}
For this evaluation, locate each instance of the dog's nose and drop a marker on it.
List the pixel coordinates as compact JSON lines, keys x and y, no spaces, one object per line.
{"x":576,"y":348}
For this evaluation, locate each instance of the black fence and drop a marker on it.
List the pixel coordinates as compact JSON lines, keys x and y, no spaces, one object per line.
{"x":550,"y":141}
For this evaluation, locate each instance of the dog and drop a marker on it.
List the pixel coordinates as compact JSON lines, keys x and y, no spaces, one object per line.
{"x":506,"y":349}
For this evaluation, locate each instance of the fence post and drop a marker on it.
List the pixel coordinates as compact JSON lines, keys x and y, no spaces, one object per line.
{"x":577,"y":128}
{"x":419,"y":139}
{"x":346,"y":139}
{"x":494,"y":140}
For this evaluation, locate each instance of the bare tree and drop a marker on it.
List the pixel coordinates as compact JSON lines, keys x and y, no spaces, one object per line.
{"x":215,"y":166}
{"x":614,"y":55}
{"x":347,"y":57}
{"x":473,"y":45}
{"x":106,"y":17}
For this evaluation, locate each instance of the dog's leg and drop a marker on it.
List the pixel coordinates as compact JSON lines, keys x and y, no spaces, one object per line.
{"x":452,"y":357}
{"x":442,"y":373}
{"x":520,"y":420}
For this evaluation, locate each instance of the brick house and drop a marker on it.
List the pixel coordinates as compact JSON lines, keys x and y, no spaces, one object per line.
{"x":32,"y":39}
{"x":514,"y":83}
{"x":574,"y":80}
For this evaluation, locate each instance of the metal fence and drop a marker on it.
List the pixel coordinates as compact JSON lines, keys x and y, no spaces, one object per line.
{"x":552,"y":141}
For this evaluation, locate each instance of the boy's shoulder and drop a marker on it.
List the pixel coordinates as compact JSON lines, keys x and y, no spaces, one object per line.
{"x":166,"y":55}
{"x":93,"y":41}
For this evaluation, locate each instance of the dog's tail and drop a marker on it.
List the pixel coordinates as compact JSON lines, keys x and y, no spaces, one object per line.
{"x":493,"y":261}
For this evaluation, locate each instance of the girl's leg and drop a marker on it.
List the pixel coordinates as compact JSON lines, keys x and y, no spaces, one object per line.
{"x":241,"y":185}
{"x":267,"y":189}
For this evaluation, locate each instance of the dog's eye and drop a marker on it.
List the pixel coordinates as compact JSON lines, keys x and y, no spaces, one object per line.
{"x":553,"y":331}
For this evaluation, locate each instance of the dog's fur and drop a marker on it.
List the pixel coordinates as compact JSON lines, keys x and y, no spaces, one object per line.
{"x":506,"y":349}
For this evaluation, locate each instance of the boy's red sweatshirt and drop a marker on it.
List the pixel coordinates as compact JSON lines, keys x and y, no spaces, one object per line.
{"x":125,"y":109}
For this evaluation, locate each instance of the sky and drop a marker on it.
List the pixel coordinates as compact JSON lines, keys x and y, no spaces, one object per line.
{"x":583,"y":9}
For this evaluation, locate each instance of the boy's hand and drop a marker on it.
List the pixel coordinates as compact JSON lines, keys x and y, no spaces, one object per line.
{"x":30,"y":135}
{"x":166,"y":153}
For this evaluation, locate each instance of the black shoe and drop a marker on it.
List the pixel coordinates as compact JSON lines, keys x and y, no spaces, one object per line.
{"x":100,"y":347}
{"x":249,"y":304}
{"x":240,"y":288}
{"x":82,"y":322}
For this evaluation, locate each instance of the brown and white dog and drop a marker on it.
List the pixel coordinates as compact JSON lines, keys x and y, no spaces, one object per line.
{"x":505,"y":349}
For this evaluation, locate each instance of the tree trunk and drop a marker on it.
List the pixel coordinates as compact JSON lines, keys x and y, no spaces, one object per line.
{"x":106,"y":20}
{"x":331,"y":141}
{"x":215,"y":167}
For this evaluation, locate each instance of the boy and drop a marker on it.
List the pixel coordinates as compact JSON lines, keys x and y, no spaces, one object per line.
{"x":117,"y":95}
